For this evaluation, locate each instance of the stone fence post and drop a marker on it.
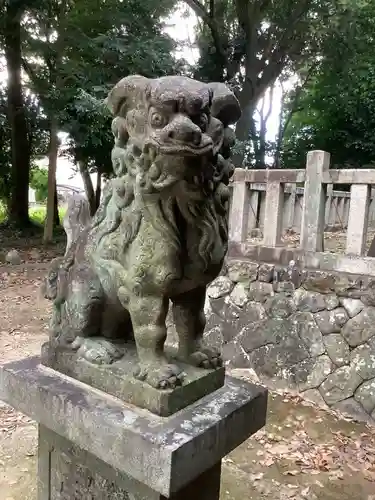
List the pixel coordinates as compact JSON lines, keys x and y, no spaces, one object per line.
{"x":239,"y":213}
{"x":312,"y":229}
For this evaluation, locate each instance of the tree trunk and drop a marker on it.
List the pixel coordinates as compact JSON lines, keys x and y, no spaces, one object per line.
{"x":56,"y":216}
{"x":52,"y":165}
{"x":19,"y":200}
{"x":245,"y":131}
{"x":89,"y":188}
{"x":281,"y":130}
{"x":260,"y":160}
{"x":98,"y":191}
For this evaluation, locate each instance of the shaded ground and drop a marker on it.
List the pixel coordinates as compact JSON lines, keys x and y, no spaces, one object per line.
{"x":304,"y":452}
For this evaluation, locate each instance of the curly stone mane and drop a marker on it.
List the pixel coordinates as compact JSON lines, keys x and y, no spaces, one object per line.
{"x":140,"y":175}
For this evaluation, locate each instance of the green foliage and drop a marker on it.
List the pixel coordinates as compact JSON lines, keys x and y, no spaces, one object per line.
{"x":336,"y":110}
{"x":39,"y":182}
{"x":251,"y":43}
{"x":72,"y":52}
{"x":77,"y":50}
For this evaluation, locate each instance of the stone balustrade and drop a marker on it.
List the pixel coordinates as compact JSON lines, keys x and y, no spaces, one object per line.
{"x":274,"y":201}
{"x":302,"y":318}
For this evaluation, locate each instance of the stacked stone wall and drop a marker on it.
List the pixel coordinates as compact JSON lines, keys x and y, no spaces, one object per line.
{"x":310,"y":331}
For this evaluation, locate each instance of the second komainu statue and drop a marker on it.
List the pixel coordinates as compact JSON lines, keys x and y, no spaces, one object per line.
{"x":159,"y":236}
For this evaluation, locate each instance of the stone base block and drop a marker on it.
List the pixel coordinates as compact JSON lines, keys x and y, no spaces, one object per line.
{"x":117,"y":379}
{"x":94,"y":446}
{"x":67,"y":472}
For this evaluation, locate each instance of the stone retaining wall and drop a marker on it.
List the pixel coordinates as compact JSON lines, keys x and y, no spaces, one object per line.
{"x":311,"y":331}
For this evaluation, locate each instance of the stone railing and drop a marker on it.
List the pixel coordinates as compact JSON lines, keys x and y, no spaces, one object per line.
{"x":336,"y":208}
{"x":300,"y":317}
{"x":318,"y":205}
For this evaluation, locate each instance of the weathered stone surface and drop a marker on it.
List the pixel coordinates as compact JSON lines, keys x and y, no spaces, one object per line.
{"x":286,"y":287}
{"x":242,"y":271}
{"x":352,"y":306}
{"x":13,"y":257}
{"x":120,"y":272}
{"x":279,"y":306}
{"x":311,"y":372}
{"x":363,"y":360}
{"x":346,"y":285}
{"x":235,"y":356}
{"x":246,"y":374}
{"x":365,"y":394}
{"x":231,"y":319}
{"x":352,"y":408}
{"x":331,"y":301}
{"x":272,"y":359}
{"x":360,"y":328}
{"x":309,"y":301}
{"x":76,"y":219}
{"x":315,"y":397}
{"x":267,"y":331}
{"x":65,"y":471}
{"x":309,"y":332}
{"x":254,"y":312}
{"x":337,"y":349}
{"x":319,"y":281}
{"x":289,"y":274}
{"x":150,"y":449}
{"x":239,"y":295}
{"x":341,"y":384}
{"x":220,"y":287}
{"x":214,"y":337}
{"x":259,"y":291}
{"x":282,"y":348}
{"x":368,"y":296}
{"x":265,"y":273}
{"x":117,"y":379}
{"x":331,"y":321}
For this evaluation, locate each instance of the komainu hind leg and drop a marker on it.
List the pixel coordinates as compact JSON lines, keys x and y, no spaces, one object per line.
{"x":82,"y":319}
{"x":148,"y":316}
{"x":190,"y":321}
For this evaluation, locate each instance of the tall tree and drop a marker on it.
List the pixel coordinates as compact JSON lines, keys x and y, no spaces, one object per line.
{"x":248,"y":43}
{"x":18,"y":206}
{"x":336,"y":110}
{"x":78,"y":45}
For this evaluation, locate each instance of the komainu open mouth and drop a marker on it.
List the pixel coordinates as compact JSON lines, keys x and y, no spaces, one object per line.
{"x":184,"y":149}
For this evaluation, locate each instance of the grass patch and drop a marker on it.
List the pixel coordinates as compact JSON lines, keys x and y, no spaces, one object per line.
{"x":37,"y":214}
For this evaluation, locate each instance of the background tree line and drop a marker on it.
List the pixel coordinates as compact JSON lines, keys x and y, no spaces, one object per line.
{"x":59,"y":58}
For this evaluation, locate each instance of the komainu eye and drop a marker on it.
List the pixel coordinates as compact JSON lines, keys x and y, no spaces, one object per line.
{"x":157,"y":120}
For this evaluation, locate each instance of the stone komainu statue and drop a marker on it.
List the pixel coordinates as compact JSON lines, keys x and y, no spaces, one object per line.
{"x":160,"y":233}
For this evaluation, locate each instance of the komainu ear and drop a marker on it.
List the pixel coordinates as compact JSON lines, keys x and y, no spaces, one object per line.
{"x":126,"y":93}
{"x":225,"y":105}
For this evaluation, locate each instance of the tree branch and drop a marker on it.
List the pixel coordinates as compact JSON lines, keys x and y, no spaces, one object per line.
{"x":201,"y":12}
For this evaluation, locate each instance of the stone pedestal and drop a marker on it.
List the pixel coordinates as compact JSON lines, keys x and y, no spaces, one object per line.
{"x":92,"y":446}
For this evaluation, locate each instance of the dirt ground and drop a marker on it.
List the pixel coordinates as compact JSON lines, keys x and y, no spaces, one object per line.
{"x":303,"y":453}
{"x":334,"y":241}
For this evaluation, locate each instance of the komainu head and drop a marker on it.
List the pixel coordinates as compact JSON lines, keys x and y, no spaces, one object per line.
{"x":176,"y":126}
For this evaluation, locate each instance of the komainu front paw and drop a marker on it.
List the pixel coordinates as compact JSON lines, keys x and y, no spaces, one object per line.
{"x":98,"y":351}
{"x":161,"y":376}
{"x":206,"y":357}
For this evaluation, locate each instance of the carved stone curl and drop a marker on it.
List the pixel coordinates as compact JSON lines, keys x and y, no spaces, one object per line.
{"x":159,"y":235}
